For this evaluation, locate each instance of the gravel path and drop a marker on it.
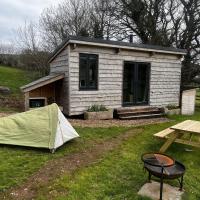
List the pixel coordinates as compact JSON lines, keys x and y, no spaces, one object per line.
{"x":116,"y":122}
{"x":109,"y":123}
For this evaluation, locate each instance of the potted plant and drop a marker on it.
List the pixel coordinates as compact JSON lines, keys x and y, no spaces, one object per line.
{"x":96,"y":112}
{"x":172,"y":109}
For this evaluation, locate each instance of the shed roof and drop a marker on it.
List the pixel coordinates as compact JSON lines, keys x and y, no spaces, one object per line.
{"x":42,"y":81}
{"x":115,"y":44}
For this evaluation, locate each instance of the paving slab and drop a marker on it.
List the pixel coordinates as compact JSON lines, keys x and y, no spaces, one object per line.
{"x":152,"y":190}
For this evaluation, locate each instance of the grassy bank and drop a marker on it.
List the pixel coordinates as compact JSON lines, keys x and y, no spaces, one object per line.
{"x":13,"y":79}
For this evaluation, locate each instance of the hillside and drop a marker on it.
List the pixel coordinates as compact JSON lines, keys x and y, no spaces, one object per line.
{"x":14,"y":79}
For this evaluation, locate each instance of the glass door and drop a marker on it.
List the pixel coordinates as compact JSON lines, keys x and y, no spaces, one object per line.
{"x":136,"y":83}
{"x":128,"y":84}
{"x":142,"y":83}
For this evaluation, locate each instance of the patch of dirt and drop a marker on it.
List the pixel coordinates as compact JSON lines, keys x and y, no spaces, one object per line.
{"x":55,"y":168}
{"x":116,"y":122}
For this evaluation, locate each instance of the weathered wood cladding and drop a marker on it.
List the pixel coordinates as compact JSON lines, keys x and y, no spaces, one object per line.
{"x":52,"y":92}
{"x":164,"y":79}
{"x":61,"y":64}
{"x":47,"y":91}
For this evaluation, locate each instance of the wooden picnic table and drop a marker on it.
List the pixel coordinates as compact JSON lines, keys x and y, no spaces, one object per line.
{"x":175,"y":134}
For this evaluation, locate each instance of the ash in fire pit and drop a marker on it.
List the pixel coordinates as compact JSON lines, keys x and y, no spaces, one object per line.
{"x":163,"y":167}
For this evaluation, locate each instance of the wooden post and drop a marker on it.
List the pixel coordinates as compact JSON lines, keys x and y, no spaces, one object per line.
{"x":26,"y":101}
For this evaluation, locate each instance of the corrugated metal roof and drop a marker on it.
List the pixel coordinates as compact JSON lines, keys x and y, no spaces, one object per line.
{"x":42,"y":81}
{"x":118,"y":44}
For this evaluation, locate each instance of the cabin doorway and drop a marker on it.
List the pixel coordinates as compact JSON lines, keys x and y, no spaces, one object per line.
{"x":136,"y":83}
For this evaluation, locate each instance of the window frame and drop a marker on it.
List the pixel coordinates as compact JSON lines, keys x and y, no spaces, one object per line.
{"x":88,"y":88}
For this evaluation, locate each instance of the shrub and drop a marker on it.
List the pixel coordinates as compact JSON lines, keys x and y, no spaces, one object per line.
{"x":97,"y":108}
{"x":171,"y":106}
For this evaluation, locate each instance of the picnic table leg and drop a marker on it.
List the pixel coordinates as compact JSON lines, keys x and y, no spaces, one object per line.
{"x":191,"y":137}
{"x":169,"y":141}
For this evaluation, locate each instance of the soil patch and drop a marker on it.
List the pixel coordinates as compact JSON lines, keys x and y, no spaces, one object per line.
{"x":55,"y":168}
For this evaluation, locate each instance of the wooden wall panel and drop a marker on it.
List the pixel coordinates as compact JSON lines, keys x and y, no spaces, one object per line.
{"x":60,"y":64}
{"x":164,"y":80}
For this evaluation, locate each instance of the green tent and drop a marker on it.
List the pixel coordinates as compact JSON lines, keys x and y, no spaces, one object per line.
{"x":44,"y":127}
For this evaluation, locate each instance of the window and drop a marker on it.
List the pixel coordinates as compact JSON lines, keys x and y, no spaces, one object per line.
{"x":88,"y":71}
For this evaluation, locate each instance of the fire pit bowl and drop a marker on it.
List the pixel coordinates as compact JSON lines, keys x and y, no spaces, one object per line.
{"x":164,"y":167}
{"x":172,"y":172}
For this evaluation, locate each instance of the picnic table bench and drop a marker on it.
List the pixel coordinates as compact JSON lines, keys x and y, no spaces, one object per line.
{"x":175,"y":134}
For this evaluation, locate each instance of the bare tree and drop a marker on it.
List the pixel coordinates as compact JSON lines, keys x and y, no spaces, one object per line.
{"x":28,"y":37}
{"x":8,"y":55}
{"x":103,"y":23}
{"x":32,"y":56}
{"x":6,"y":48}
{"x":70,"y":18}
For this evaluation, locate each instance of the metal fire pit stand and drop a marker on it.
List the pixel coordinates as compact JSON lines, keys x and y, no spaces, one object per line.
{"x":161,"y":161}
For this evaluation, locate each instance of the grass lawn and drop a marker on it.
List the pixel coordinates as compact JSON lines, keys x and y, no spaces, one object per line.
{"x":119,"y":175}
{"x":17,"y":163}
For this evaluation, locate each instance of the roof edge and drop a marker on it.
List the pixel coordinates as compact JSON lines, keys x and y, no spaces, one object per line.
{"x":115,"y":44}
{"x":183,"y":52}
{"x":37,"y":83}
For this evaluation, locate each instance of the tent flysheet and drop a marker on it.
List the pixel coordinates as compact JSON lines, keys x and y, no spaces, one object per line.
{"x":44,"y":127}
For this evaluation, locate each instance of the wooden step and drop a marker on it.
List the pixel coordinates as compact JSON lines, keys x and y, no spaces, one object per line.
{"x":146,"y":116}
{"x":142,"y":112}
{"x":143,"y":109}
{"x":138,"y":113}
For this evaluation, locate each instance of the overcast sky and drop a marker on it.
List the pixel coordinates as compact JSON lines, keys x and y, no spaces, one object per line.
{"x":13,"y":14}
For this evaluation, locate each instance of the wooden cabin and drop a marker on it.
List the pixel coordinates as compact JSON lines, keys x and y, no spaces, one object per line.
{"x":85,"y":71}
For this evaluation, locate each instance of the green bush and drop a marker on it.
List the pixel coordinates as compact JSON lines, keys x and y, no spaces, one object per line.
{"x":97,"y":108}
{"x":172,"y":106}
